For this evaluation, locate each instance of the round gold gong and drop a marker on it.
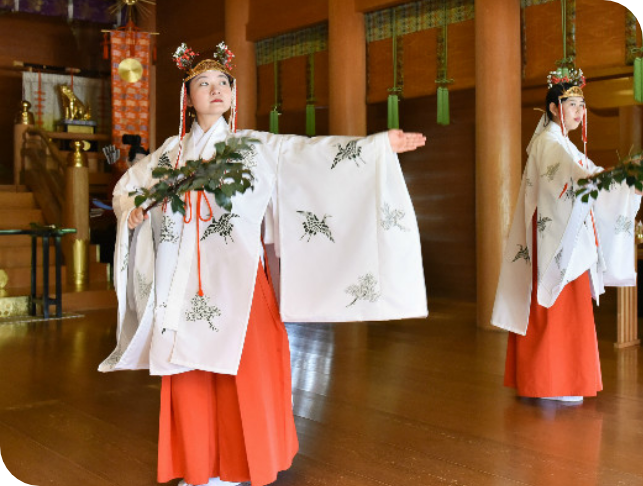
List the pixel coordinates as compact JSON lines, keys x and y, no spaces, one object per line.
{"x":130,"y":70}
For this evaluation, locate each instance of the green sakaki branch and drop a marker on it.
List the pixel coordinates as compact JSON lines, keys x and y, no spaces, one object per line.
{"x":224,"y":176}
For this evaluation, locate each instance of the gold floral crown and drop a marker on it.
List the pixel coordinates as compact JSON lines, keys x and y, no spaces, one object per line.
{"x":221,"y":61}
{"x":570,"y":76}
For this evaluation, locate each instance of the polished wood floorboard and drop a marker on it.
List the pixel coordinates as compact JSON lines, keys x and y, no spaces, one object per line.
{"x":401,"y":403}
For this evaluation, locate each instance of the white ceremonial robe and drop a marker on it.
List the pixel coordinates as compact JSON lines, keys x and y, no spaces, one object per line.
{"x":338,"y":211}
{"x":567,"y":232}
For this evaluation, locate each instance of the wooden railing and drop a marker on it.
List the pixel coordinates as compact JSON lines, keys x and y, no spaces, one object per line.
{"x":60,"y":182}
{"x":43,"y":171}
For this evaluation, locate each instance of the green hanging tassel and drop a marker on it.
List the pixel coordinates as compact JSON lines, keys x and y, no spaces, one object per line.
{"x":444,"y":117}
{"x":274,"y":121}
{"x":310,"y":120}
{"x":393,"y":109}
{"x":393,"y":112}
{"x":310,"y":101}
{"x":274,"y":114}
{"x":638,"y":79}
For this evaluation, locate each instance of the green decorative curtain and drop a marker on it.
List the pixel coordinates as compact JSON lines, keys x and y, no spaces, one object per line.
{"x":395,"y":22}
{"x":531,"y":3}
{"x":293,"y":44}
{"x":304,"y":42}
{"x":415,"y":17}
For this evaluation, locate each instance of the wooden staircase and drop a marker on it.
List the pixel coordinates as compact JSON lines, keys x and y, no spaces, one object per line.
{"x":18,"y":208}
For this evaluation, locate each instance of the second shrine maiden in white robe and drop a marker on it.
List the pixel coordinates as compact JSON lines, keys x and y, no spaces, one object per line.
{"x":573,"y":237}
{"x":342,"y":221}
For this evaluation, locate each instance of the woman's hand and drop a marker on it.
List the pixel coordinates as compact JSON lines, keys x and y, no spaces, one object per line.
{"x":405,"y":142}
{"x":135,"y":218}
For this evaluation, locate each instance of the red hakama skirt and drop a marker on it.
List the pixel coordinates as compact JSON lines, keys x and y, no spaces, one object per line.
{"x":559,"y":354}
{"x":239,"y":428}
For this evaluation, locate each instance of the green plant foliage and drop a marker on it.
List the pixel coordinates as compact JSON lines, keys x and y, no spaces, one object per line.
{"x":628,"y":170}
{"x":224,"y":176}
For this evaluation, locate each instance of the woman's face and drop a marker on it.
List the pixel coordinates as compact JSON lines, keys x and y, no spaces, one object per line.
{"x":573,"y":111}
{"x":210,"y":95}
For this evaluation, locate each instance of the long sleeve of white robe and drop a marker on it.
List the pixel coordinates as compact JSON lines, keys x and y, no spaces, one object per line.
{"x":347,"y":236}
{"x":573,"y":237}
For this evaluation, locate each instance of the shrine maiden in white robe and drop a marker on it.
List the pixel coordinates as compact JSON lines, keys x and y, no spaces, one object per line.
{"x":568,"y":231}
{"x":341,"y":218}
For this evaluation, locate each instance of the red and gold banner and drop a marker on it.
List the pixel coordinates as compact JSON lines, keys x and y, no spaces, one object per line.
{"x":130,"y":100}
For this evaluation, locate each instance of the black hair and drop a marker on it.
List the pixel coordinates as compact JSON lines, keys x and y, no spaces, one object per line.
{"x":134,"y":141}
{"x":554,"y":96}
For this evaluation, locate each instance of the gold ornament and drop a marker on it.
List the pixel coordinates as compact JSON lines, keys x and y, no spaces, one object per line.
{"x":139,"y":6}
{"x":130,"y":70}
{"x":73,"y":108}
{"x":4,"y":279}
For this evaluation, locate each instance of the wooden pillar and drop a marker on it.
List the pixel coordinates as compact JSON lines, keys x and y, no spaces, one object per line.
{"x":346,"y":68}
{"x":630,"y":118}
{"x":76,"y":215}
{"x":498,"y":140}
{"x":24,"y":120}
{"x":237,"y":15}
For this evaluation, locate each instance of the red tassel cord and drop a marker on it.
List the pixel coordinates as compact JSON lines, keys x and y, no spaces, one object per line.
{"x":591,"y":213}
{"x":184,"y":107}
{"x":188,"y":205}
{"x":198,"y":218}
{"x":198,"y":233}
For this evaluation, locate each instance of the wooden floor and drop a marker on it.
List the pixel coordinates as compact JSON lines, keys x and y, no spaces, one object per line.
{"x":416,"y":403}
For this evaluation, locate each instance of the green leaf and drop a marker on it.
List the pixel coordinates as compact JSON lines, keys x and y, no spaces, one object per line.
{"x":177,"y":204}
{"x":203,"y":175}
{"x":223,"y":200}
{"x":219,"y":147}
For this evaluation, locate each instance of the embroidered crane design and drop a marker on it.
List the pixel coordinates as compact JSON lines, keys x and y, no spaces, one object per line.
{"x":167,"y":231}
{"x":391,"y":219}
{"x":125,"y":262}
{"x":551,"y":171}
{"x":569,"y":192}
{"x":624,"y":225}
{"x":523,"y":254}
{"x":143,"y":286}
{"x":365,"y":289}
{"x":223,"y":227}
{"x":164,"y":161}
{"x":313,"y":225}
{"x":558,"y":258}
{"x":350,"y":152}
{"x":201,"y":311}
{"x":249,"y":158}
{"x":542,"y":224}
